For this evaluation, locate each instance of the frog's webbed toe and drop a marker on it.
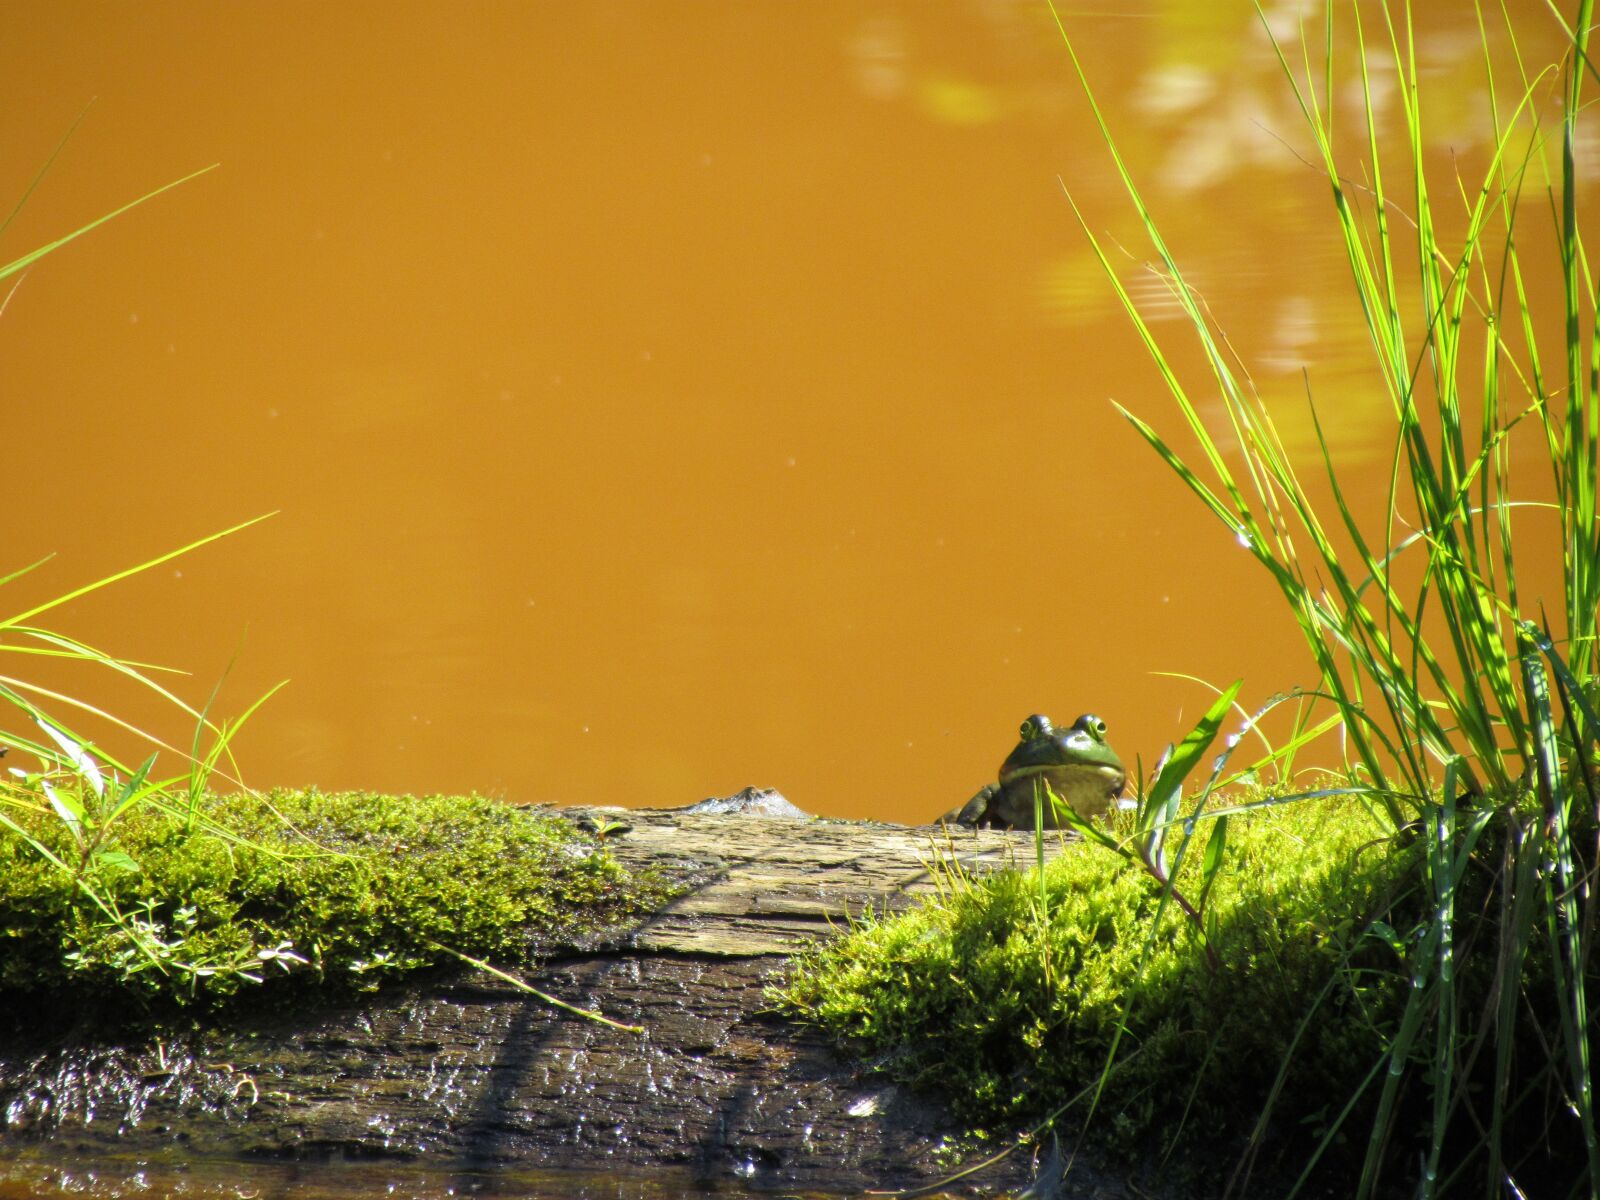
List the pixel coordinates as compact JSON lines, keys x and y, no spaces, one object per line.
{"x":976,"y":812}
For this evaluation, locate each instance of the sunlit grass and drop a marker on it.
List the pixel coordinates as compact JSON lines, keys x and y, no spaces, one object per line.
{"x":1466,"y":708}
{"x":310,"y":895}
{"x":57,"y":782}
{"x":129,"y":889}
{"x":1442,"y":684}
{"x":66,"y":782}
{"x":126,"y":895}
{"x":69,"y":800}
{"x":1013,"y":1014}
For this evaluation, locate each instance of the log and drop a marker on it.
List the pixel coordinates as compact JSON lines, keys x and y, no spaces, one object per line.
{"x":467,"y":1073}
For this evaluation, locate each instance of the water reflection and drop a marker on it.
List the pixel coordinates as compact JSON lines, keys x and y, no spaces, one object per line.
{"x":41,"y":1177}
{"x":664,"y":398}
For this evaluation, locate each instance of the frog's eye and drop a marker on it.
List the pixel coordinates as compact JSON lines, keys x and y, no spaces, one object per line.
{"x":1036,"y":726}
{"x":1092,"y":725}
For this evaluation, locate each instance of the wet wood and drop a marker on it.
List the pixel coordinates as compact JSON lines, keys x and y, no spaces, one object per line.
{"x":470,"y":1073}
{"x":781,"y":883}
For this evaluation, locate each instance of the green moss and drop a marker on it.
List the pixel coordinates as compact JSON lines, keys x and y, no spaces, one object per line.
{"x":1011,"y":1015}
{"x":309,"y":893}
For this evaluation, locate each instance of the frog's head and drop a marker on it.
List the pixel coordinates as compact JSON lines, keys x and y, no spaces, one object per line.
{"x":1046,"y":749}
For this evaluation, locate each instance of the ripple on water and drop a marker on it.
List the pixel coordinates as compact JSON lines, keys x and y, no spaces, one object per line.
{"x":32,"y":1175}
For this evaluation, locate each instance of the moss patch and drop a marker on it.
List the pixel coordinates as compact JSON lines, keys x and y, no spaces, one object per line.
{"x":307,"y":893}
{"x":1011,"y":1014}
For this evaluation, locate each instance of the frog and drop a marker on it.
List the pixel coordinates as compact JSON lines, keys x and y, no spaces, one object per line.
{"x":1077,"y":763}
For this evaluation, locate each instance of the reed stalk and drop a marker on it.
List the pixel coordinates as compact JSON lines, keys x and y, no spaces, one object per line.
{"x":1437,"y":663}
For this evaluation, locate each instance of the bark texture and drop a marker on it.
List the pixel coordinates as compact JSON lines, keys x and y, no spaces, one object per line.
{"x":469,"y":1073}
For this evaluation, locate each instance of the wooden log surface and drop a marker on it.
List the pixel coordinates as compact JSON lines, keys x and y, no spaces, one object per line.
{"x":469,"y":1073}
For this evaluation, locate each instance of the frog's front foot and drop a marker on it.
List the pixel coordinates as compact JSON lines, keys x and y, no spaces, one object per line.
{"x":975,"y":812}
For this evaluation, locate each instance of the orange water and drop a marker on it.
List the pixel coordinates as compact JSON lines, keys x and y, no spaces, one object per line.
{"x":662,"y":398}
{"x":35,"y":1174}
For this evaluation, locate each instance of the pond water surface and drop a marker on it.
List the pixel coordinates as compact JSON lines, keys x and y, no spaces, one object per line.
{"x":659,"y":398}
{"x":43,"y":1179}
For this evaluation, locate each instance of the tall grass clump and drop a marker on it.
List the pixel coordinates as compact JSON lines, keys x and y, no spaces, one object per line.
{"x":129,"y":893}
{"x":1397,"y":1001}
{"x":128,"y":896}
{"x":65,"y":800}
{"x":1468,"y":706}
{"x":1014,"y":991}
{"x":293,"y":896}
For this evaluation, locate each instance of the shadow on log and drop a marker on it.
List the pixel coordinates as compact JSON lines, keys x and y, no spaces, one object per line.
{"x":469,"y":1075}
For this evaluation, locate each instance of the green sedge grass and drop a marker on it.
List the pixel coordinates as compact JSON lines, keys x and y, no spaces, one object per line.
{"x":71,"y":811}
{"x":71,"y":785}
{"x":1441,"y":684}
{"x":88,"y":793}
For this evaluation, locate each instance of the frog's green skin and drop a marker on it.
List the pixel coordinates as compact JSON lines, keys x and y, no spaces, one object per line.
{"x":1076,"y":763}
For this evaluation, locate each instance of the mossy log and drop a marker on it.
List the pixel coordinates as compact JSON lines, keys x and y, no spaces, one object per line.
{"x":468,"y":1073}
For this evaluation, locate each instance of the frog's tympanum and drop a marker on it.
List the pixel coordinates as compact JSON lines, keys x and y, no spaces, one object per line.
{"x":1076,"y":763}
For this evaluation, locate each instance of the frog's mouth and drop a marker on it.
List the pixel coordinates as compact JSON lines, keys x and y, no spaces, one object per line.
{"x":1070,"y":770}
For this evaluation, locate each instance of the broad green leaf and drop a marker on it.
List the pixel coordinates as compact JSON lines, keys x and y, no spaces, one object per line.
{"x":67,"y":807}
{"x":117,"y":860}
{"x":132,"y":790}
{"x":1068,"y":818}
{"x":1216,"y":844}
{"x":86,"y":767}
{"x":1166,"y":793}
